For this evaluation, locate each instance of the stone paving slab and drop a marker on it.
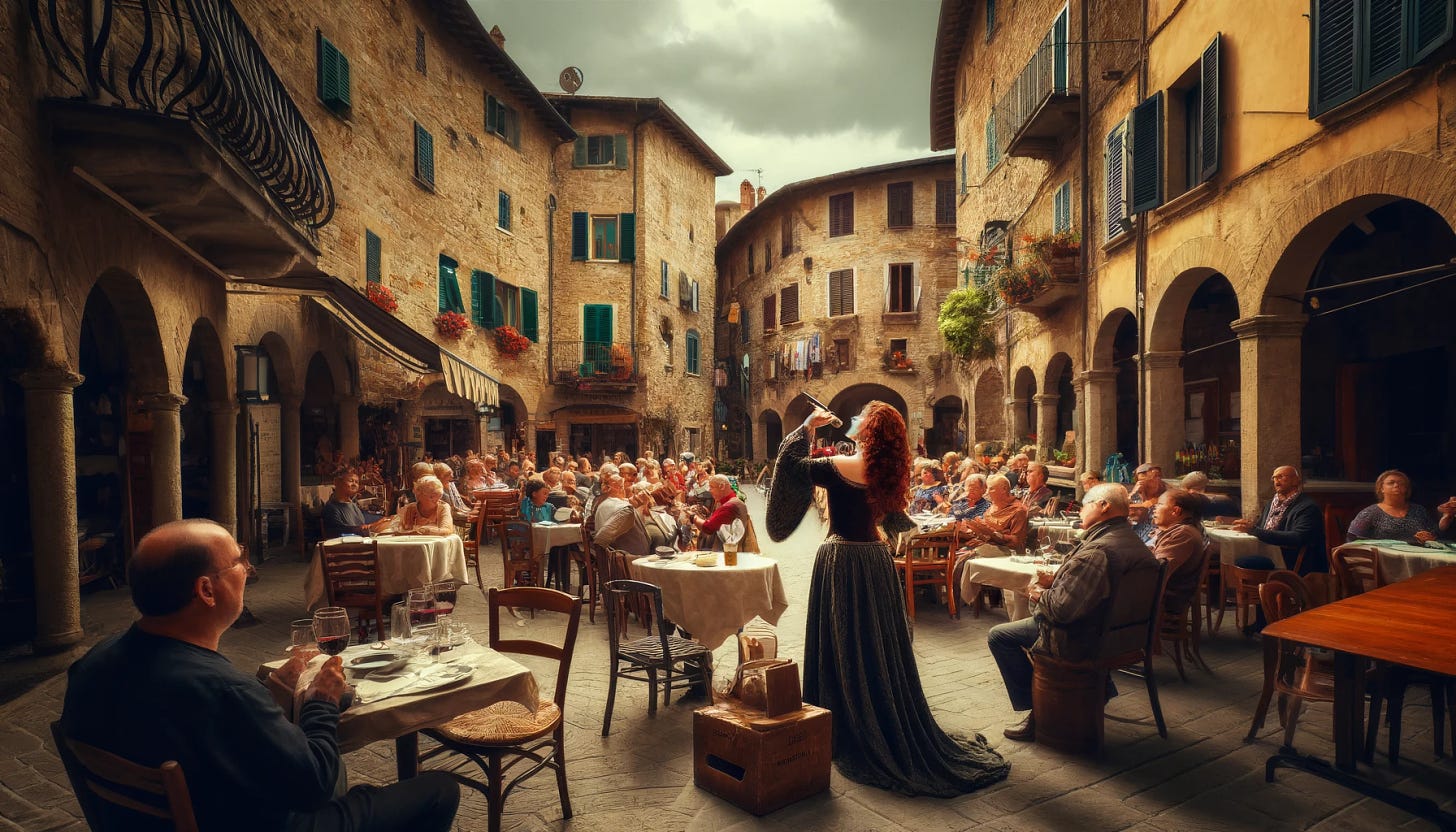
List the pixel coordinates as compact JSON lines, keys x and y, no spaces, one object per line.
{"x":1203,"y":777}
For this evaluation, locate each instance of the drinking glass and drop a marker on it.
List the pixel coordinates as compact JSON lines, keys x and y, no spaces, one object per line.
{"x":331,"y":630}
{"x":399,"y":623}
{"x":445,"y":593}
{"x":421,"y":606}
{"x":301,"y":639}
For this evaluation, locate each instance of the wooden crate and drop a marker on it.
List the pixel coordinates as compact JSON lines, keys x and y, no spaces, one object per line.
{"x":761,"y":764}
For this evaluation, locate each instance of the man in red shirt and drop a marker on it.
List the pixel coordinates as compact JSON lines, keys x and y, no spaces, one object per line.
{"x":729,"y":508}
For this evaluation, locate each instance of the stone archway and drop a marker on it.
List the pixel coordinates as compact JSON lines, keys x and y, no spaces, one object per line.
{"x":773,"y":432}
{"x":209,"y":430}
{"x":1110,"y":390}
{"x":990,"y":407}
{"x":319,"y":421}
{"x":1023,"y":406}
{"x":946,"y":433}
{"x":1056,"y":406}
{"x":23,"y":386}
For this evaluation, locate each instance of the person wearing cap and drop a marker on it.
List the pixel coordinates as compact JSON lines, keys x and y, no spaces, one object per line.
{"x":1214,"y":505}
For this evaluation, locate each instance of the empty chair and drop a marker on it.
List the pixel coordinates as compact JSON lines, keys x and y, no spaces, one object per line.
{"x":1298,"y":674}
{"x":927,"y":561}
{"x":351,"y":580}
{"x":1357,"y":569}
{"x":518,"y":560}
{"x":103,"y":781}
{"x":652,"y":659}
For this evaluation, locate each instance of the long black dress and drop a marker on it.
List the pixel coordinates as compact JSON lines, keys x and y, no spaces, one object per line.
{"x":858,"y":661}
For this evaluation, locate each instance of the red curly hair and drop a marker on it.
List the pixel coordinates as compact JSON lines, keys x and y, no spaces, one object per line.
{"x":886,"y":453}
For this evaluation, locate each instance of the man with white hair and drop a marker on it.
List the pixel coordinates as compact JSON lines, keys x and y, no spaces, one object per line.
{"x":729,"y":508}
{"x":1072,"y":601}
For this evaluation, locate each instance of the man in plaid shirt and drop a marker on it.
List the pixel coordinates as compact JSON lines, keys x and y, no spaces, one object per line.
{"x":1072,"y":602}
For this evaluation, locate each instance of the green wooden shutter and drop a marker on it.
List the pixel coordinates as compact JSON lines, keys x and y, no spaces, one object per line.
{"x":990,"y":19}
{"x":424,"y":156}
{"x":503,"y":210}
{"x":579,"y":236}
{"x":1209,"y":137}
{"x":1059,"y":52}
{"x":1116,"y":185}
{"x":449,"y":287}
{"x":372,"y":259}
{"x":333,"y":75}
{"x":619,"y":150}
{"x":991,"y":154}
{"x":477,"y":316}
{"x":1062,"y":208}
{"x":484,"y":310}
{"x":597,"y":323}
{"x":692,"y":351}
{"x":530,"y":325}
{"x":1332,"y":65}
{"x":627,"y":238}
{"x":1147,"y":154}
{"x":665,"y":290}
{"x":1430,"y":27}
{"x":578,"y":156}
{"x":513,"y":127}
{"x":1384,"y":41}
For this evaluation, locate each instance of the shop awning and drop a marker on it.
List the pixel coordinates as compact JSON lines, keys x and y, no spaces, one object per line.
{"x":391,"y":336}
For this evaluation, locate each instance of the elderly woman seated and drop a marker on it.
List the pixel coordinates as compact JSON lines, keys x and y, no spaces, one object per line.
{"x":428,"y":514}
{"x":931,"y":492}
{"x":1395,"y":517}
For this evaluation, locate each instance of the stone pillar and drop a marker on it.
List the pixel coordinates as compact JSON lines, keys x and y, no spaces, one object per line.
{"x":224,"y":475}
{"x":1162,"y":408}
{"x":1016,"y":422}
{"x":1097,"y":390}
{"x":166,"y":412}
{"x":1046,"y":425}
{"x":1270,"y":361}
{"x":349,"y":426}
{"x":292,"y":456}
{"x":50,"y":438}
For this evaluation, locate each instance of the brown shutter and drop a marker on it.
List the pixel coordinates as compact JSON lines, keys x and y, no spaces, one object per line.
{"x":900,"y":204}
{"x":841,"y":214}
{"x":770,"y":313}
{"x":841,"y":351}
{"x":841,"y":292}
{"x":789,"y":301}
{"x":945,"y":213}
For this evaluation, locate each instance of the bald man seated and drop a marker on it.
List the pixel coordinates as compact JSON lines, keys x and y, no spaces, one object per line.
{"x":161,"y":691}
{"x":1294,"y":522}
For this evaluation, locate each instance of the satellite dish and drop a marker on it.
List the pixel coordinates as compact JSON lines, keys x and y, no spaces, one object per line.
{"x":570,"y":79}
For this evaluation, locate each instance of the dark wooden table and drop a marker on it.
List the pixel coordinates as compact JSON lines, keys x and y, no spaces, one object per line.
{"x":1408,"y":623}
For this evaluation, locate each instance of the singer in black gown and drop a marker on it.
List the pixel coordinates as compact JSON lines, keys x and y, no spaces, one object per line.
{"x":858,"y":662}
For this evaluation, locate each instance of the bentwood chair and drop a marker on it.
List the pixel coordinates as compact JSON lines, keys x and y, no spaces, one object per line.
{"x":500,"y":737}
{"x":351,"y":580}
{"x":927,"y":561}
{"x":654,"y":658}
{"x":518,"y":559}
{"x":100,"y":778}
{"x":1299,"y":674}
{"x":1183,"y":629}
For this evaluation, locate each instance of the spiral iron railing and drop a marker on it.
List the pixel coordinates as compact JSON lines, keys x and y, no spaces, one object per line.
{"x":194,"y":60}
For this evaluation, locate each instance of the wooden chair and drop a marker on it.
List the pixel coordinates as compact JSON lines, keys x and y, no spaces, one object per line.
{"x":652,"y":655}
{"x":1298,"y":674}
{"x":496,"y":509}
{"x":586,"y":558}
{"x":518,"y":560}
{"x":1357,"y":569}
{"x":1183,"y":629}
{"x":351,"y":580}
{"x":1242,"y":584}
{"x":929,"y":555}
{"x":1130,"y":635}
{"x":101,"y":780}
{"x":508,"y":730}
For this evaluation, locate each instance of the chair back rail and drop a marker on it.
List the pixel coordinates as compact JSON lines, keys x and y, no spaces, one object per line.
{"x":99,"y":776}
{"x":1133,"y":610}
{"x":549,"y":600}
{"x":1357,"y":569}
{"x":620,"y":594}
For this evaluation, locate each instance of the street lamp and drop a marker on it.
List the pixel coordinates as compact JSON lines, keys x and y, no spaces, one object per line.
{"x":252,"y":374}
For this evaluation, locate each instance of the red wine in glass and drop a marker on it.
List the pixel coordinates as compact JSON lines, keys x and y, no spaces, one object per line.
{"x":333,"y":645}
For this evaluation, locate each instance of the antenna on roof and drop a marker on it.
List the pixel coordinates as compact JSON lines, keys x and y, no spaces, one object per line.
{"x":758,"y":171}
{"x":570,"y":79}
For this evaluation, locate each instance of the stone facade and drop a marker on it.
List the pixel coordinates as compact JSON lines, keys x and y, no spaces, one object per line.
{"x":1199,"y":302}
{"x":867,"y":319}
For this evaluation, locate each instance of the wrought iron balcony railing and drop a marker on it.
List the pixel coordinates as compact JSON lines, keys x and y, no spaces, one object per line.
{"x":594,"y":364}
{"x":1042,"y":105}
{"x":194,"y":60}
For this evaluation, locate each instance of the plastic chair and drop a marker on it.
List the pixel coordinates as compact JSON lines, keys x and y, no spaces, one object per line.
{"x":650,"y":656}
{"x":100,"y":778}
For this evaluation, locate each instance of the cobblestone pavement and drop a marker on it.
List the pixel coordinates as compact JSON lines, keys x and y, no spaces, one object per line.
{"x":1202,"y":777}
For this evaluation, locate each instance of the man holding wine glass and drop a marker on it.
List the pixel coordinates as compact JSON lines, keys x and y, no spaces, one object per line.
{"x":162,"y":691}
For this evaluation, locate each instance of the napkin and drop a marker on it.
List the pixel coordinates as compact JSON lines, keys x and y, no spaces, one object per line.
{"x":310,"y":671}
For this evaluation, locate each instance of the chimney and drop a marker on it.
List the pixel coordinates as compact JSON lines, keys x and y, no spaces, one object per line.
{"x":762,"y":192}
{"x":745,"y":196}
{"x":498,"y":36}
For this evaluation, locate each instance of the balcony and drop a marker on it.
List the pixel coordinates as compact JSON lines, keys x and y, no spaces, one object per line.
{"x":595,"y":367}
{"x":1043,"y":105}
{"x":179,"y":117}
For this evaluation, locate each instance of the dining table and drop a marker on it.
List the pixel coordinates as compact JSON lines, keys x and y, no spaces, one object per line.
{"x":399,"y":712}
{"x":1400,"y":559}
{"x":1011,"y":574}
{"x":1233,"y":545}
{"x":1407,"y":623}
{"x":714,"y":602}
{"x":406,"y":561}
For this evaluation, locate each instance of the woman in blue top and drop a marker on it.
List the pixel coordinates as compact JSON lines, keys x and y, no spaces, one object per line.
{"x":931,"y":492}
{"x":534,"y":507}
{"x":1395,"y":517}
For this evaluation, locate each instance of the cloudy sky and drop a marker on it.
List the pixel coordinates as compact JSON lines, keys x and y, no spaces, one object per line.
{"x":799,"y":88}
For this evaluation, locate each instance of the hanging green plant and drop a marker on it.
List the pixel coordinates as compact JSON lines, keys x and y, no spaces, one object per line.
{"x":965,"y":323}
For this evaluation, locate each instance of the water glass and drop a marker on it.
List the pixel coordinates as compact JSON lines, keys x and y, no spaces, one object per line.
{"x":301,"y":639}
{"x":331,"y":630}
{"x":421,"y":606}
{"x":399,"y":623}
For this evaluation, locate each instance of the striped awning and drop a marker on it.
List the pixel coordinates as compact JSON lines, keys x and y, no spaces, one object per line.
{"x":467,"y":382}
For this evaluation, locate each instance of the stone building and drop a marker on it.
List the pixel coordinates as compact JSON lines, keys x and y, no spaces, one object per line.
{"x":1265,"y":236}
{"x":830,"y":286}
{"x":633,"y":296}
{"x":192,"y":229}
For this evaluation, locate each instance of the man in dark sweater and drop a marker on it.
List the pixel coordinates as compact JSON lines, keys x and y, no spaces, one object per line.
{"x":1292,"y":521}
{"x":1072,"y":603}
{"x":342,"y":515}
{"x":161,"y":691}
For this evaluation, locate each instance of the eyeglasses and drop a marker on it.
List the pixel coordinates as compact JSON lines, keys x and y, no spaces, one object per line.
{"x":241,"y":561}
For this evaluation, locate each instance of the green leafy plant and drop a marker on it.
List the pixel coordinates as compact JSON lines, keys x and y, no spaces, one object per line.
{"x":1048,"y":247}
{"x":965,"y":323}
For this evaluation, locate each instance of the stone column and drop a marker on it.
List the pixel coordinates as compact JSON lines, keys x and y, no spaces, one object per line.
{"x":50,"y":438}
{"x":1016,"y":423}
{"x":292,"y":456}
{"x":349,"y":426}
{"x":1270,"y":361}
{"x":1162,"y":408}
{"x":1046,"y":425}
{"x":166,"y":413}
{"x":224,"y":475}
{"x":1098,"y":392}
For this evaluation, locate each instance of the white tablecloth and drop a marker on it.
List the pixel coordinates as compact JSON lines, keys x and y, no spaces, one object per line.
{"x":712,"y":602}
{"x":1233,"y":545}
{"x":405,"y":562}
{"x":1009,"y":576}
{"x":1400,"y":560}
{"x":560,"y":534}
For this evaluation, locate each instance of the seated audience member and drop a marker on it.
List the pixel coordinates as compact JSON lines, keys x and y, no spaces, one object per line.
{"x":1179,"y":541}
{"x":479,"y":475}
{"x":673,"y":476}
{"x":1000,"y":531}
{"x":1214,"y":505}
{"x":628,"y":472}
{"x":552,"y":478}
{"x":534,"y":508}
{"x":1016,"y":470}
{"x":1447,"y":524}
{"x":1072,"y":601}
{"x":343,"y":516}
{"x":1292,"y":521}
{"x":950,"y":463}
{"x":931,"y":493}
{"x":729,"y":508}
{"x":429,"y":514}
{"x":1089,"y":479}
{"x":973,"y":503}
{"x":1150,"y":485}
{"x":512,"y":476}
{"x":1395,"y":517}
{"x":161,"y":691}
{"x":417,"y":470}
{"x":453,"y":498}
{"x":1037,"y":496}
{"x":656,"y":519}
{"x":1141,"y":518}
{"x":625,"y":527}
{"x":569,"y":484}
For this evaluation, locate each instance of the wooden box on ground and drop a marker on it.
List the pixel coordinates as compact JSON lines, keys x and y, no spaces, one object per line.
{"x":761,"y":764}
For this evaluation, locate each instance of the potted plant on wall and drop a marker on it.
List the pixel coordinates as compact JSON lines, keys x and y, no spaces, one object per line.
{"x":510,"y":342}
{"x":621,"y":362}
{"x":965,"y":323}
{"x":451,"y":324}
{"x":381,"y":296}
{"x":1020,"y":281}
{"x":1058,"y":251}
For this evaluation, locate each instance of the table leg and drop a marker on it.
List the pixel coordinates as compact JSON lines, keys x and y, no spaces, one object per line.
{"x":1348,"y":698}
{"x":407,"y":755}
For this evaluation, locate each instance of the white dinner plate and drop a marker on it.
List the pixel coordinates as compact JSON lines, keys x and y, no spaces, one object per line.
{"x":438,"y":676}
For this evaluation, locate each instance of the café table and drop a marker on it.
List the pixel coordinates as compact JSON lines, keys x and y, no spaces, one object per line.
{"x":546,"y":536}
{"x":1400,"y":560}
{"x":406,"y":561}
{"x":496,"y":678}
{"x":1407,"y":623}
{"x":1010,"y":574}
{"x":713,"y":602}
{"x":1233,"y":545}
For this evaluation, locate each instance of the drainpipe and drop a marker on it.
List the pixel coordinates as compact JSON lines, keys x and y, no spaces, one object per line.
{"x":550,"y":287}
{"x":1141,"y":263}
{"x":1084,"y":254}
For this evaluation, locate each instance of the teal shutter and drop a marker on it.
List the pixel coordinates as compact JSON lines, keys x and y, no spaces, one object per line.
{"x":477,"y":317}
{"x":1147,"y":154}
{"x":990,"y":19}
{"x":1059,"y":52}
{"x":449,"y":287}
{"x":619,"y":150}
{"x":483,"y":303}
{"x":424,"y":156}
{"x":1430,"y":27}
{"x":1332,"y":65}
{"x":692,"y":359}
{"x":627,"y":238}
{"x":503,"y":210}
{"x":333,"y":76}
{"x":1384,"y":39}
{"x":665,"y":291}
{"x":1062,"y":209}
{"x":372,"y":259}
{"x":1209,"y":137}
{"x":578,"y":156}
{"x":992,"y":156}
{"x":597,"y":323}
{"x":530,"y":326}
{"x":579,"y":236}
{"x":1116,"y":180}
